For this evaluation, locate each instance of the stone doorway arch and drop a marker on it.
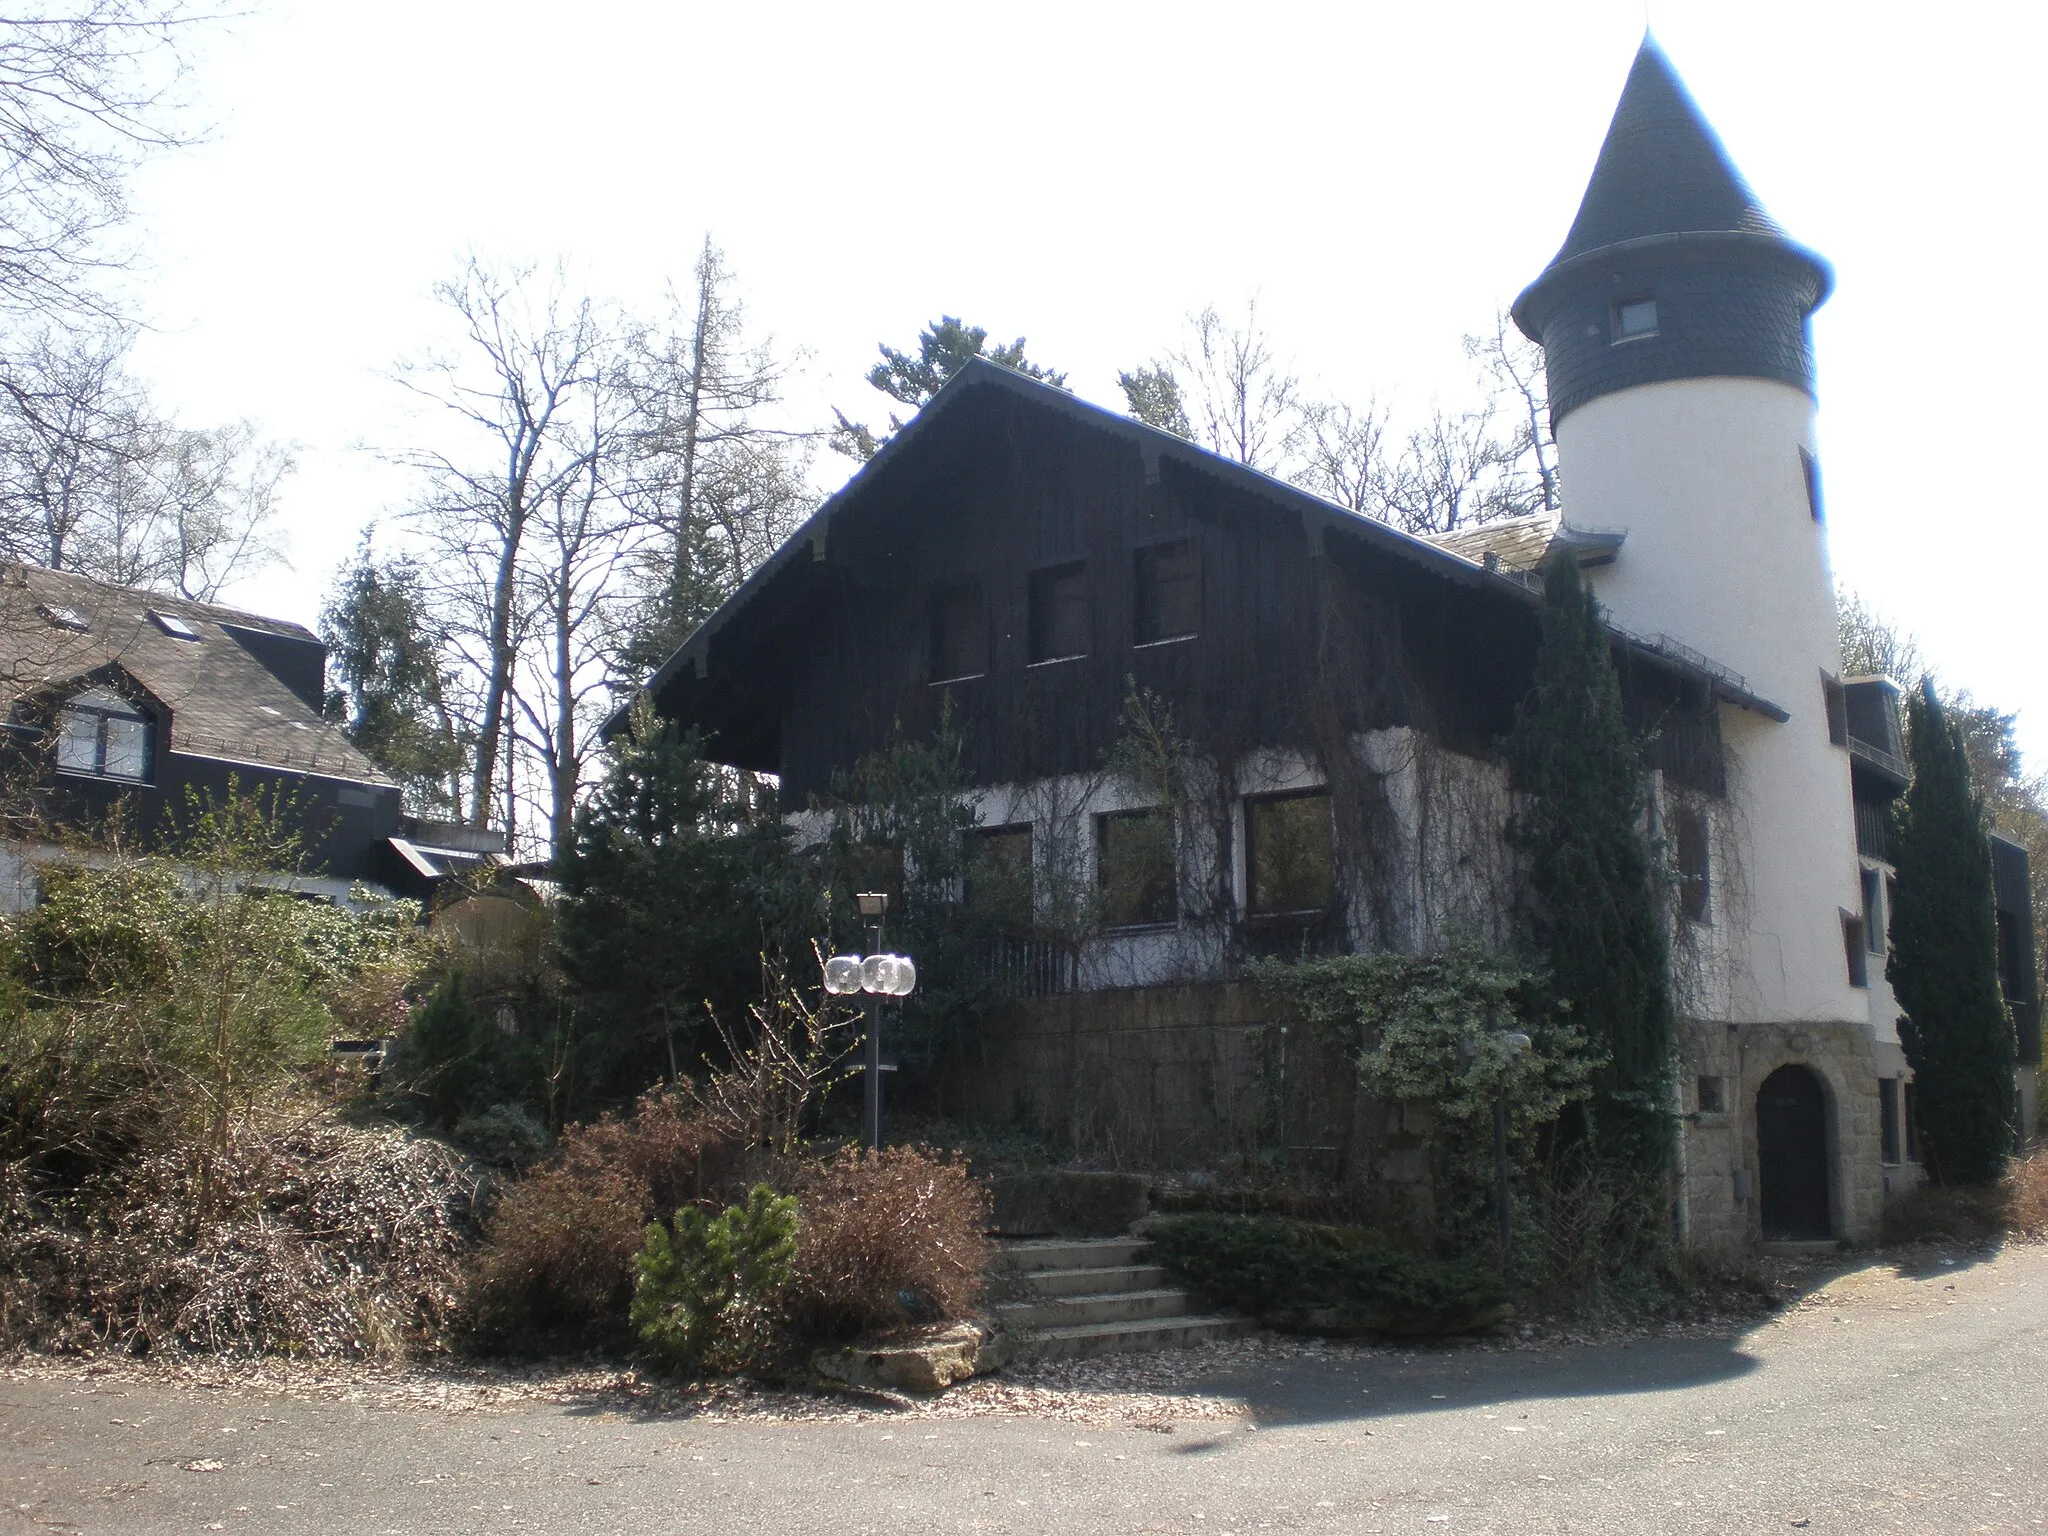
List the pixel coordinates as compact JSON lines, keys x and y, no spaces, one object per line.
{"x":1793,"y":1156}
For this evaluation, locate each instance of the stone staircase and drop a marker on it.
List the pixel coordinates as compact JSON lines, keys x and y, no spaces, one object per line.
{"x":1071,"y":1297}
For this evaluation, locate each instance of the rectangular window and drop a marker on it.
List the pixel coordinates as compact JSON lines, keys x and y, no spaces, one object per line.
{"x":959,"y":632}
{"x":1134,"y":868}
{"x":1713,"y":1096}
{"x":1854,"y":948}
{"x":1059,"y":613}
{"x":999,"y":876}
{"x":1873,"y":911}
{"x":1910,"y":1093}
{"x":1635,"y":317}
{"x":1288,"y":861}
{"x":1168,"y":593}
{"x":1888,"y":1120}
{"x":1809,"y":471}
{"x":1836,"y":702}
{"x":1691,"y":849}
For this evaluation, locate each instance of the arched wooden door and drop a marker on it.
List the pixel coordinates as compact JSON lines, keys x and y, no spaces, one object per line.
{"x":1792,"y":1155}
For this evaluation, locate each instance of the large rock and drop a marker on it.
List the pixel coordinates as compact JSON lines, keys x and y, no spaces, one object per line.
{"x":1067,"y":1203}
{"x":927,"y":1363}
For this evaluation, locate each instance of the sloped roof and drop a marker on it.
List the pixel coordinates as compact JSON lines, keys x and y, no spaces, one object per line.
{"x":1520,"y":543}
{"x":223,"y":702}
{"x":1662,"y":170}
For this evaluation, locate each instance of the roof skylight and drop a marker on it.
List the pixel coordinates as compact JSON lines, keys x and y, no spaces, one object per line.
{"x":174,"y":626}
{"x":65,"y":617}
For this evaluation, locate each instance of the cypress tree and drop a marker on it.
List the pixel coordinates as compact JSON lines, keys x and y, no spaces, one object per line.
{"x":1593,"y":909}
{"x":1943,"y":960}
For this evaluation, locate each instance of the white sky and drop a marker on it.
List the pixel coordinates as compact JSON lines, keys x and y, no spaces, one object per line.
{"x":1383,"y":175}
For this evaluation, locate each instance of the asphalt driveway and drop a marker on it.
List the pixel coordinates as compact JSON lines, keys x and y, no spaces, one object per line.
{"x":1889,"y":1402}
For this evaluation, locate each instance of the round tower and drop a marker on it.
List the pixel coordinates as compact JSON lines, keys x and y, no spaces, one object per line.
{"x":1674,"y":326}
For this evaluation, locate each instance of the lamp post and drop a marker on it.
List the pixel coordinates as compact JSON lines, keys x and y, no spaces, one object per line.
{"x":879,"y":975}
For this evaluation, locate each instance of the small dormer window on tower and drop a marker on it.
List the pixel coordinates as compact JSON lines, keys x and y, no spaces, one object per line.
{"x":1635,"y":317}
{"x":102,"y":734}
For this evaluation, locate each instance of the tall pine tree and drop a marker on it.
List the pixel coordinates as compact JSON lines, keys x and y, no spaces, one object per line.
{"x":1593,"y":909}
{"x":1943,"y":960}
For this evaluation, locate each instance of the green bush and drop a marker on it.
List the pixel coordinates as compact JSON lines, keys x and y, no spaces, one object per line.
{"x":1304,"y":1278}
{"x":709,"y":1295}
{"x":505,"y":1136}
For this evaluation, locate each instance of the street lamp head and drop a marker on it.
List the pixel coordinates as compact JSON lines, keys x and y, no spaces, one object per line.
{"x":873,"y":903}
{"x":843,"y":974}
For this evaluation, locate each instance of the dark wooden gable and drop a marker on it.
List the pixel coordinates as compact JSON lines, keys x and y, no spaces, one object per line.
{"x":1042,"y":519}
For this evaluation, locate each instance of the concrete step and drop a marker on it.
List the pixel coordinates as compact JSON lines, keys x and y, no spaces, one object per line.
{"x":1045,"y":1284}
{"x":1106,"y":1307}
{"x":1067,"y":1253}
{"x":1129,"y":1338}
{"x":1799,"y":1248}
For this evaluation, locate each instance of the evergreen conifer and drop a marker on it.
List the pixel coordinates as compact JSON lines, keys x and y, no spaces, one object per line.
{"x":1943,"y":961}
{"x":1593,"y":912}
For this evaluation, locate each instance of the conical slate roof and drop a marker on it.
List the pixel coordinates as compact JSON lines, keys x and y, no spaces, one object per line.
{"x":1661,"y":171}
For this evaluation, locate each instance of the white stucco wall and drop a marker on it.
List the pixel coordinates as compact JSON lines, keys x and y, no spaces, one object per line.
{"x":1723,"y":554}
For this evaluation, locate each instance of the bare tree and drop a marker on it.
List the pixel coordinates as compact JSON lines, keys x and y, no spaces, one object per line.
{"x":94,"y":480}
{"x":86,"y":92}
{"x":1221,"y":388}
{"x":711,"y":476}
{"x":1342,"y":454}
{"x":525,"y":387}
{"x":1513,"y":368}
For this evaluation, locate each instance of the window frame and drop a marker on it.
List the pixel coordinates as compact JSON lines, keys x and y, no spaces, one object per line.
{"x":1618,"y":333}
{"x":1103,"y":820}
{"x":937,"y":629}
{"x":1252,"y":805}
{"x":101,"y":716}
{"x":1144,"y":580}
{"x":1044,"y":604}
{"x":1855,"y":951}
{"x":1872,"y":883}
{"x":974,"y":902}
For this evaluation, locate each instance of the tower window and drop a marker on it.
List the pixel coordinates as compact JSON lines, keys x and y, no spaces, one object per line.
{"x":1855,"y":950}
{"x":959,"y":632}
{"x":1059,"y":613}
{"x":1888,"y":1118}
{"x":1835,"y":703}
{"x":1691,"y":848}
{"x":1873,"y":911}
{"x":1809,"y":470}
{"x":1635,"y":317}
{"x":103,"y":734}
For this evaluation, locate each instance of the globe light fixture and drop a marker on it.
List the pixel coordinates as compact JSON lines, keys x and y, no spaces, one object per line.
{"x":842,"y":974}
{"x":878,"y":975}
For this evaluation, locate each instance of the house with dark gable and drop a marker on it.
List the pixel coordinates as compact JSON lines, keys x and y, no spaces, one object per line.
{"x":118,"y":697}
{"x":1323,"y":698}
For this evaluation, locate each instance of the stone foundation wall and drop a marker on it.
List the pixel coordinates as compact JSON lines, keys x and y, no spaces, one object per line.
{"x":1719,"y":1188}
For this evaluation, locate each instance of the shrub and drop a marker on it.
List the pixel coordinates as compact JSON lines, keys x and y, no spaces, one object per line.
{"x":709,"y":1295}
{"x":887,"y":1238}
{"x":505,"y":1136}
{"x":557,"y":1262}
{"x":1304,"y":1278}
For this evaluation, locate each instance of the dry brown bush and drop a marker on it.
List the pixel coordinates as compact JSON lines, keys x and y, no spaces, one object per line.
{"x":557,"y":1261}
{"x":2026,"y":1187}
{"x":2016,"y":1206}
{"x":886,"y":1239}
{"x":327,"y":1241}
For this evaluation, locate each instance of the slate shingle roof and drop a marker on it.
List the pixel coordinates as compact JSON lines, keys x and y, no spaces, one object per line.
{"x":1661,"y":171}
{"x":223,"y":702}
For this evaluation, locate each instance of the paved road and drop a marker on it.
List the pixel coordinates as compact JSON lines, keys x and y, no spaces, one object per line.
{"x":1910,"y":1404}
